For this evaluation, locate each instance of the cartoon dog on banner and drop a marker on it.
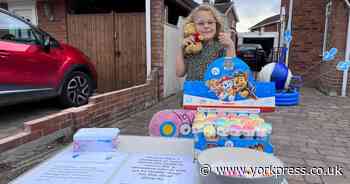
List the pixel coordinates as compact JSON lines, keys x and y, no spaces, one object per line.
{"x":227,"y":87}
{"x":229,"y":83}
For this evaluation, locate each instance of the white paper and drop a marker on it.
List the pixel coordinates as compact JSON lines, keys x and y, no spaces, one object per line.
{"x":71,"y":168}
{"x":156,"y":169}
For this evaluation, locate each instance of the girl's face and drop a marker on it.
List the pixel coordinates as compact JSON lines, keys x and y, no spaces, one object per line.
{"x":205,"y":24}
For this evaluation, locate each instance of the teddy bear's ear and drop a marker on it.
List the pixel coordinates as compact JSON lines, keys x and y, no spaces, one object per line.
{"x":189,"y":29}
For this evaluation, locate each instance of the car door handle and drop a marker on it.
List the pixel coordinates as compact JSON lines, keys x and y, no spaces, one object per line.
{"x":4,"y":54}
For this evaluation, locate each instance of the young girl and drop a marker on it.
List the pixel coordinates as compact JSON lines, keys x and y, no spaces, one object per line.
{"x":216,"y":43}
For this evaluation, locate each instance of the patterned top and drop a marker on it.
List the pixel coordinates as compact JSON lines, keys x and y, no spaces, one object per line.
{"x":197,"y":64}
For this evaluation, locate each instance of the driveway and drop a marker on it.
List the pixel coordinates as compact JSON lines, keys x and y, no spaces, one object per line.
{"x":13,"y":117}
{"x":315,"y":133}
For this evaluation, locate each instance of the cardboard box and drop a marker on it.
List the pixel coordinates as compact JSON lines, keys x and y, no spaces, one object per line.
{"x":96,"y":140}
{"x":229,"y":83}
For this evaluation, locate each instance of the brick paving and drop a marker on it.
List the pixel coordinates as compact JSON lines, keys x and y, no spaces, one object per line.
{"x":314,"y":134}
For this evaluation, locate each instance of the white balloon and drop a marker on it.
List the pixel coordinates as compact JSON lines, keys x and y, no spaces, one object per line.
{"x":266,"y":72}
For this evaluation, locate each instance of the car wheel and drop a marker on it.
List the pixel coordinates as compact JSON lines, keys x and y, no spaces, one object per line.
{"x":76,"y":90}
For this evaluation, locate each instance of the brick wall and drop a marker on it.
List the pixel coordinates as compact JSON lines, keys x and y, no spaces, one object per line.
{"x":331,"y":79}
{"x":157,"y":27}
{"x":100,"y":112}
{"x":232,"y":24}
{"x":57,"y":27}
{"x":271,"y":28}
{"x":306,"y":46}
{"x":231,"y":20}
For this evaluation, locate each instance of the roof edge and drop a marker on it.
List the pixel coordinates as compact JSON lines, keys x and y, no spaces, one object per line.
{"x":270,"y":23}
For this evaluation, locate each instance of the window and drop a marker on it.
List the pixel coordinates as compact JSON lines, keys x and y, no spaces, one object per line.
{"x":13,"y":29}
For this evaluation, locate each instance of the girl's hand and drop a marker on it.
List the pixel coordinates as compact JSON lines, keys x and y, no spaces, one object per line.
{"x":226,"y":41}
{"x":188,"y":40}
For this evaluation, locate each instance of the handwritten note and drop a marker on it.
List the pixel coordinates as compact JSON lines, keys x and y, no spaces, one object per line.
{"x":156,"y":169}
{"x":67,"y":168}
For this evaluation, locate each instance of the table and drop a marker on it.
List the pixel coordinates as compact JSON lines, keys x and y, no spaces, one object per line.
{"x":135,"y":144}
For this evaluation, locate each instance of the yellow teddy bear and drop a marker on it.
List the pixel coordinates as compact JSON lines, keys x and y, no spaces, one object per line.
{"x":193,"y":48}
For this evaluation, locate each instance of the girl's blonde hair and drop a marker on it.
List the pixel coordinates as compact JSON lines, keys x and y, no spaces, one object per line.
{"x":214,"y":12}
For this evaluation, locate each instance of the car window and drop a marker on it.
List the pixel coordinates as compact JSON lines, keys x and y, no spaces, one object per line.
{"x":12,"y":29}
{"x":249,"y":47}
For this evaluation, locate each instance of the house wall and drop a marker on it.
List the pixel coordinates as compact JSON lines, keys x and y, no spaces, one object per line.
{"x":58,"y":27}
{"x":231,"y":20}
{"x":307,"y":44}
{"x":271,"y":28}
{"x":232,"y":24}
{"x":268,"y":28}
{"x":331,"y":80}
{"x":24,"y":8}
{"x":157,"y":27}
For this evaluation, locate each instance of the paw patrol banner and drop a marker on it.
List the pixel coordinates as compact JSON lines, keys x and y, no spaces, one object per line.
{"x":229,"y":83}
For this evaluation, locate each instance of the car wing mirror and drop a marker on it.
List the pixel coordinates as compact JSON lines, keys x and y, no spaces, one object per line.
{"x":46,"y":43}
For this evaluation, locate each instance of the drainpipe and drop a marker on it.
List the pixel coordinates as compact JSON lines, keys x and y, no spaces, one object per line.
{"x":281,"y":30}
{"x":289,"y":28}
{"x":328,"y":6}
{"x":148,"y":38}
{"x":347,"y":54}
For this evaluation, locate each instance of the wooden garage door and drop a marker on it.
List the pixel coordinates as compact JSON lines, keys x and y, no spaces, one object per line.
{"x":131,"y":49}
{"x":93,"y":34}
{"x":116,"y":43}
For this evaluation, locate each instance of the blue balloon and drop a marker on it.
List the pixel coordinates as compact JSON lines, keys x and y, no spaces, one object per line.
{"x":288,"y":36}
{"x":280,"y":75}
{"x":343,"y":65}
{"x":333,"y":51}
{"x":330,"y":55}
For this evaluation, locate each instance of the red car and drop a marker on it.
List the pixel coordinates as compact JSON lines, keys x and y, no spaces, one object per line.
{"x":33,"y":65}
